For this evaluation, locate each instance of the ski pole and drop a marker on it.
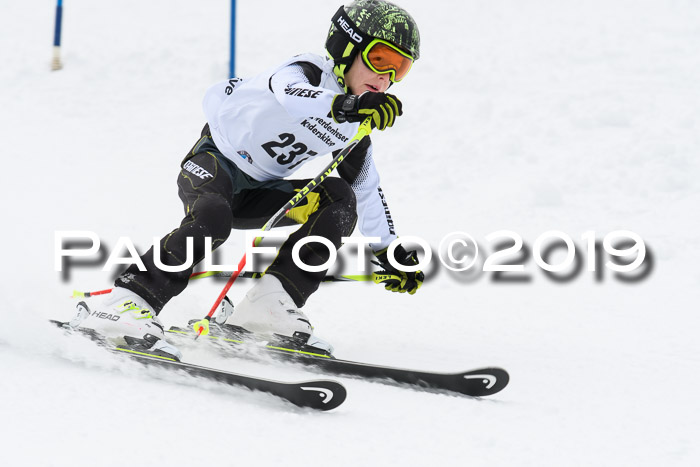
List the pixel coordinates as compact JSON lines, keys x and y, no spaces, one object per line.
{"x":258,"y":275}
{"x":244,"y":275}
{"x":202,"y":326}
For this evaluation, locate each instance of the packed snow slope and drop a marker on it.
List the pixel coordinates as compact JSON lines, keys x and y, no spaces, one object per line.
{"x":521,"y":116}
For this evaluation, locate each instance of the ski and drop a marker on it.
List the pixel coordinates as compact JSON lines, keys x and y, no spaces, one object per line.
{"x":318,"y":394}
{"x":475,"y":383}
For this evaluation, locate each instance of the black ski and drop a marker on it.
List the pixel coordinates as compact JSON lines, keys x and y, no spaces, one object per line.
{"x":318,"y":394}
{"x":475,"y":383}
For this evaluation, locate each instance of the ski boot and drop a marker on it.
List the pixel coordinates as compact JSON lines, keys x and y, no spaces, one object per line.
{"x":125,"y":314}
{"x":268,"y":310}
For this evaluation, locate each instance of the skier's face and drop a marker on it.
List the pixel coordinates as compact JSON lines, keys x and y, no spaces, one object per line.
{"x":360,"y":78}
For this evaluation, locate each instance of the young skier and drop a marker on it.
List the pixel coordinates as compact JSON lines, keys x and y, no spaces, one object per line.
{"x":259,"y":131}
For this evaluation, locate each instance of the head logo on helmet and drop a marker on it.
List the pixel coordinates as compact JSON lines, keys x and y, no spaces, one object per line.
{"x":354,"y":26}
{"x":348,"y":29}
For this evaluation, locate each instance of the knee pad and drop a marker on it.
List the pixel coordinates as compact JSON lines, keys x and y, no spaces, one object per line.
{"x":211,"y":216}
{"x":339,"y":191}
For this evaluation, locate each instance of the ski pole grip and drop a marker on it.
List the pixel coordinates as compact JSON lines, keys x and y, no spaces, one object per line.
{"x":364,"y":130}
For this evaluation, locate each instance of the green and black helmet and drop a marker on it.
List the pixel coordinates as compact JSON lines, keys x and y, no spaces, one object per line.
{"x":373,"y":27}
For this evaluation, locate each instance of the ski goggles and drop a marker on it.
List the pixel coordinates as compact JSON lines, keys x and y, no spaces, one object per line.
{"x":384,"y":57}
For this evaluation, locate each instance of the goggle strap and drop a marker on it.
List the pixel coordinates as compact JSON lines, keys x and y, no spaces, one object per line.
{"x":348,"y":28}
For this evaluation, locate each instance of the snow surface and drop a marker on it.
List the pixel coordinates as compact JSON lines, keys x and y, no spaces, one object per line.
{"x":526,"y":116}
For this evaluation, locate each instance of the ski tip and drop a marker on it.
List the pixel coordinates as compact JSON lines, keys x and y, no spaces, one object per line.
{"x":320,"y":395}
{"x":484,"y":381}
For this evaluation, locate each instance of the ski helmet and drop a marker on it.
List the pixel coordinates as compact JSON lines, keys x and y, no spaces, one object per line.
{"x":353,"y":28}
